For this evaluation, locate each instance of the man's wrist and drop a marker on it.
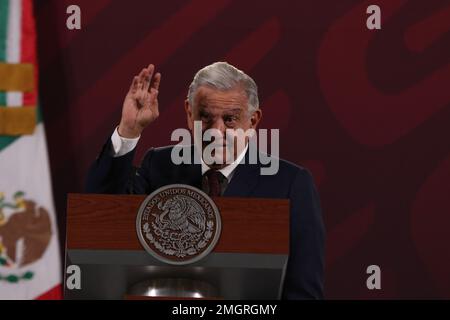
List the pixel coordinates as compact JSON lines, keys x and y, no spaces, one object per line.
{"x":127,"y":133}
{"x":122,"y":145}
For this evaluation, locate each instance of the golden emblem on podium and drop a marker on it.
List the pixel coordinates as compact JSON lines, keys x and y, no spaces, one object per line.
{"x":178,"y":224}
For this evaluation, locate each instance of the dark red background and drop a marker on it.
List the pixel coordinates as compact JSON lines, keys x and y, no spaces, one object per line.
{"x":368,"y":112}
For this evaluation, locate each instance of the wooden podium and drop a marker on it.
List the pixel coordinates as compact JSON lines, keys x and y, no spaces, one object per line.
{"x":248,"y":262}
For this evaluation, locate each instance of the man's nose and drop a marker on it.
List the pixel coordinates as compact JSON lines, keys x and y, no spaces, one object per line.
{"x":218,"y":124}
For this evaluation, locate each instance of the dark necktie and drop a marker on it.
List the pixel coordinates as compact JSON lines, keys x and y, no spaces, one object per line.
{"x":213,"y":182}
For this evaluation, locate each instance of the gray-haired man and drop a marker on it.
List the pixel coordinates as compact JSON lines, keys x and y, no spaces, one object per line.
{"x":223,"y":98}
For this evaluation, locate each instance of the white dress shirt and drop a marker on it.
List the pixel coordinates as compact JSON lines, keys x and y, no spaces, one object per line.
{"x":227,"y":171}
{"x":122,"y":146}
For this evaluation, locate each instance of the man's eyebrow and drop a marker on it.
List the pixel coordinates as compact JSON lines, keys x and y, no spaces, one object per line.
{"x":202,"y":106}
{"x":203,"y":112}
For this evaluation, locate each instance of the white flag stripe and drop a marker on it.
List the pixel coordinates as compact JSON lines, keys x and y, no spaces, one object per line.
{"x":14,"y":99}
{"x":14,"y":31}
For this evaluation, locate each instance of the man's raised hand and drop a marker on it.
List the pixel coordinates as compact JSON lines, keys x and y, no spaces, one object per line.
{"x":140,"y":107}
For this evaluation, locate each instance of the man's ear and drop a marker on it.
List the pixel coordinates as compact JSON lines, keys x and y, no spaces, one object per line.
{"x":189,"y":115}
{"x":256,"y":118}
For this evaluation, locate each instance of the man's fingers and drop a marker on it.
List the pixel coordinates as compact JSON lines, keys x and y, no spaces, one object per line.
{"x":150,"y":69}
{"x":154,"y":93}
{"x":148,"y":73}
{"x":147,"y":80}
{"x":153,"y":96}
{"x":144,"y":82}
{"x":134,"y":84}
{"x":154,"y":100}
{"x":141,"y":77}
{"x":156,"y":81}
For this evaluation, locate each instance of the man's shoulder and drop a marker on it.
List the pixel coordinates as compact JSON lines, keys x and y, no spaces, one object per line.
{"x":286,"y":178}
{"x":285,"y":167}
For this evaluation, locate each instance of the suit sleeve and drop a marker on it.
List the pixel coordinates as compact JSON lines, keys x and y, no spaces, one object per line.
{"x":304,"y":272}
{"x":116,"y":175}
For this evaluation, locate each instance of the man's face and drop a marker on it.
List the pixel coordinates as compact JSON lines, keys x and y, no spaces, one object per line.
{"x":222,"y":110}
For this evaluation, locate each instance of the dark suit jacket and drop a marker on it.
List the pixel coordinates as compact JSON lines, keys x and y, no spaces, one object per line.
{"x":304,"y":273}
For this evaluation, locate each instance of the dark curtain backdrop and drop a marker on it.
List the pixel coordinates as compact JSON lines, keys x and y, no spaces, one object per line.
{"x":368,"y":112}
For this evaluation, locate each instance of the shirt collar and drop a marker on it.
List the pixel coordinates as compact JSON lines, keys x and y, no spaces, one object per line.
{"x":227,"y":171}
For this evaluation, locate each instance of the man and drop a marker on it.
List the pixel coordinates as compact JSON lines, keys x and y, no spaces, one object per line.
{"x":221,"y":97}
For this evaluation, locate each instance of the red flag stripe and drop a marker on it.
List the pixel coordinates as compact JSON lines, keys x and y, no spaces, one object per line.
{"x":28,"y":49}
{"x":53,"y":294}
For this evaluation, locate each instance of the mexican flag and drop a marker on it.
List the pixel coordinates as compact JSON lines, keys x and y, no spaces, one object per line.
{"x":29,"y":250}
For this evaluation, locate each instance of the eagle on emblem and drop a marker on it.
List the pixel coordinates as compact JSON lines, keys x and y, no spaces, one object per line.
{"x":182,"y":214}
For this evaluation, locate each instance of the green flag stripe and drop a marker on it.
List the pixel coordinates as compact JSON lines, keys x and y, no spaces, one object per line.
{"x":4,"y":10}
{"x":6,"y":141}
